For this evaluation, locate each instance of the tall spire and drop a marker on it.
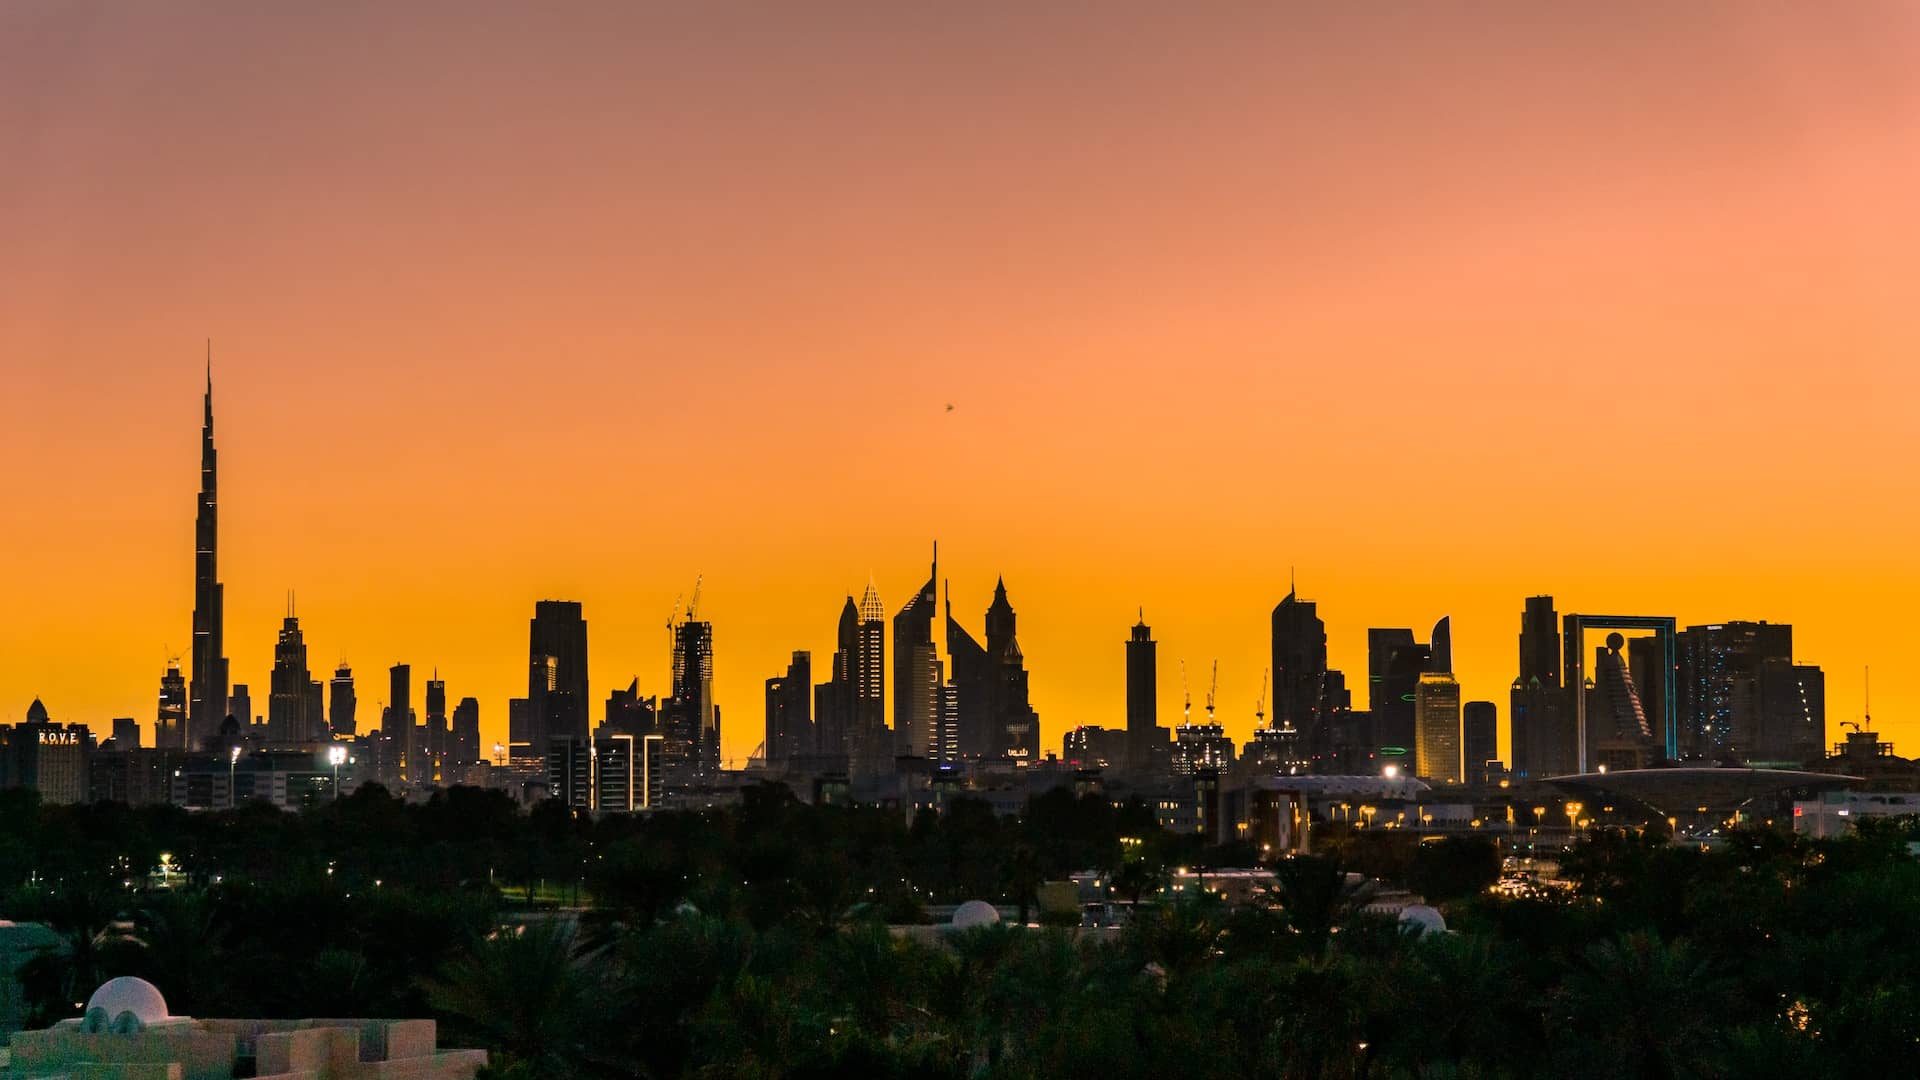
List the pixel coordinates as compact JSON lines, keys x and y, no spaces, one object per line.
{"x":207,"y":698}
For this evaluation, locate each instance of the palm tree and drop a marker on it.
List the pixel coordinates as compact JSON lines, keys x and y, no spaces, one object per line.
{"x":525,"y":991}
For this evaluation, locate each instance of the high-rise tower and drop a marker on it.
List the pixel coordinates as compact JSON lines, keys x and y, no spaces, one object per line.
{"x":170,"y":727}
{"x":1013,"y":725}
{"x":207,"y":692}
{"x":1300,"y":676}
{"x":342,"y":703}
{"x":557,"y":672}
{"x":869,"y":743}
{"x":916,"y":670}
{"x":1143,"y":689}
{"x":967,"y":659}
{"x":1540,"y":724}
{"x":287,"y":686}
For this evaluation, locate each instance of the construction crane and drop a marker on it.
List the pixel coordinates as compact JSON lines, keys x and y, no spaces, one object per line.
{"x":1260,"y":706}
{"x":695,"y":602}
{"x":1186,"y":697}
{"x":1212,"y":689}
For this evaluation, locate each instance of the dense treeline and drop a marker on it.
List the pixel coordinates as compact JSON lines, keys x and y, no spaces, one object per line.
{"x":752,"y":942}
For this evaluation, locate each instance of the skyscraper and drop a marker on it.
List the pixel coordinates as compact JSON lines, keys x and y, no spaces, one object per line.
{"x":1480,"y":738}
{"x":287,"y":685}
{"x":833,"y":700}
{"x":557,"y":672}
{"x":466,"y":733}
{"x":1300,"y":676}
{"x":967,"y":671}
{"x":1719,"y":686}
{"x":170,"y":727}
{"x":1394,"y":664}
{"x":789,"y":729}
{"x":1436,"y":720}
{"x":1540,"y":723}
{"x":1013,"y":725}
{"x":869,"y":743}
{"x":1143,"y":694}
{"x":916,"y":670}
{"x":439,"y":735}
{"x":694,"y":719}
{"x":341,"y":707}
{"x":207,"y":695}
{"x":396,"y":724}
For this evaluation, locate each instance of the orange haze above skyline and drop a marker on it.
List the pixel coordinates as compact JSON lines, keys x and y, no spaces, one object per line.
{"x":1441,"y":305}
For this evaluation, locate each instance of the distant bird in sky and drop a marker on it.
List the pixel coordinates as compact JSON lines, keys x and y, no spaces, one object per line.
{"x":949,"y":406}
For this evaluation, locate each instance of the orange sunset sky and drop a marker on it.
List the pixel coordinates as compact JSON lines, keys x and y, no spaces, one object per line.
{"x":1443,"y":304}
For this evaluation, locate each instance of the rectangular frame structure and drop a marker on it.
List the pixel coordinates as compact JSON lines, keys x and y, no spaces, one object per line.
{"x":1574,"y":670}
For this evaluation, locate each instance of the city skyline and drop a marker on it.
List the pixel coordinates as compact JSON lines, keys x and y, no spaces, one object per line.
{"x":1297,"y":638}
{"x":1166,"y":296}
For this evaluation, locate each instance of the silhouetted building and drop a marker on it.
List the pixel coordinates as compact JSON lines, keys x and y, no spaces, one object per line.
{"x":629,"y":713}
{"x":126,"y":733}
{"x":1395,"y":662}
{"x":916,"y":671}
{"x":52,"y":759}
{"x":520,"y":747}
{"x":1300,"y":683}
{"x":1618,"y":734}
{"x":833,"y":700}
{"x":1540,"y":723}
{"x":287,"y":701}
{"x":466,"y":732}
{"x":340,"y":714}
{"x":396,"y":724}
{"x":1725,"y":694}
{"x":1793,"y":712}
{"x":1143,"y":696}
{"x":439,"y":733}
{"x":869,"y":744}
{"x":1646,"y":664}
{"x":1480,"y":740}
{"x":789,"y":730}
{"x":239,"y":707}
{"x":1090,"y":746}
{"x":557,"y":671}
{"x":1014,"y":725}
{"x":1200,"y":748}
{"x":692,"y":718}
{"x":967,"y":685}
{"x":170,"y":726}
{"x":207,"y":694}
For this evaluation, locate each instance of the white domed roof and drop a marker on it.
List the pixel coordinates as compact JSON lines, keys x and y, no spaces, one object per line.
{"x":128,"y":994}
{"x":1422,"y":919}
{"x":974,"y":913}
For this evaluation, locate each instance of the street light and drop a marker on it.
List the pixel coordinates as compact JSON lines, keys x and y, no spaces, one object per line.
{"x":335,"y":756}
{"x":1573,"y":819}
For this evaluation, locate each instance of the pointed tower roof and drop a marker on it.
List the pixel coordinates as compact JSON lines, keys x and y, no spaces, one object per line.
{"x":37,"y":713}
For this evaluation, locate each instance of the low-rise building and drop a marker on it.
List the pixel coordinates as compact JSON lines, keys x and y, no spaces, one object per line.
{"x":127,"y":1034}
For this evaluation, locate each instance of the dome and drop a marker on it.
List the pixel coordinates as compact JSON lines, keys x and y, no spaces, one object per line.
{"x":974,"y":913}
{"x":1421,"y":919}
{"x":128,"y":994}
{"x":37,"y":713}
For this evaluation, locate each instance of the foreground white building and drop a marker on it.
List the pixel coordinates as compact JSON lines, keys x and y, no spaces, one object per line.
{"x":127,"y":1034}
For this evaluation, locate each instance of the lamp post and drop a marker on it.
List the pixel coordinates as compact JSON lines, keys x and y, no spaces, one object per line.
{"x":335,"y":756}
{"x":1573,"y":820}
